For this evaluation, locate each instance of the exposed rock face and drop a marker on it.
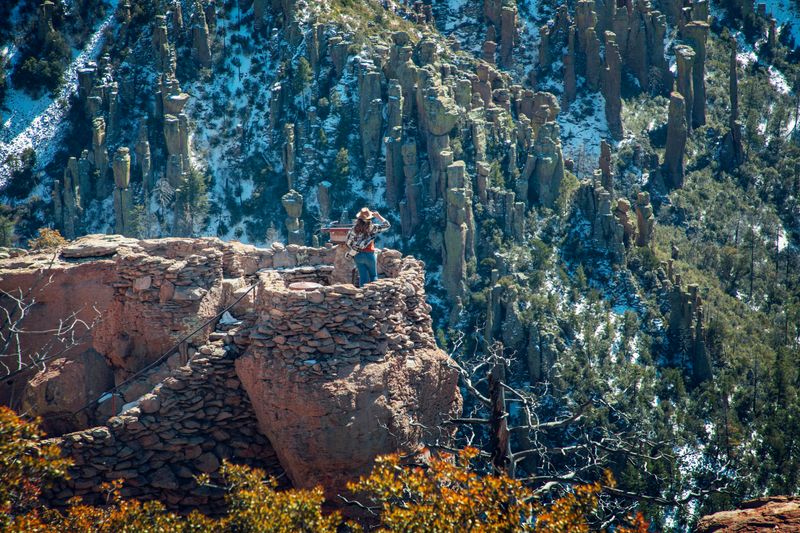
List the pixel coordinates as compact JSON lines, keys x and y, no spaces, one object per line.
{"x":696,"y":33}
{"x":458,"y":235}
{"x":612,"y":86}
{"x":67,"y":200}
{"x":686,"y":330}
{"x":371,"y":112}
{"x":324,"y":200}
{"x":545,"y":168}
{"x":329,"y":373}
{"x":176,"y":135}
{"x":732,"y":152}
{"x":605,"y":232}
{"x":622,"y":214}
{"x":64,"y":387}
{"x":201,"y":49}
{"x":288,"y":154}
{"x":143,"y":159}
{"x":321,"y":369}
{"x":99,"y":150}
{"x":676,"y":141}
{"x":684,"y":58}
{"x":645,"y":221}
{"x":123,"y":201}
{"x":295,"y":228}
{"x":775,"y":513}
{"x":607,"y":178}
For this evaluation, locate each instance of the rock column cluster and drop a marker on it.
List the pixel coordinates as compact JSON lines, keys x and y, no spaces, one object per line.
{"x":459,"y":235}
{"x":686,"y":328}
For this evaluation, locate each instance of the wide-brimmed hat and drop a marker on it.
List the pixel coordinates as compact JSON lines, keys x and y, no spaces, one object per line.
{"x":364,"y":214}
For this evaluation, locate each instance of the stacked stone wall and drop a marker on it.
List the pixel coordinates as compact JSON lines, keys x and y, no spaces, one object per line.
{"x":194,"y":419}
{"x":314,"y":332}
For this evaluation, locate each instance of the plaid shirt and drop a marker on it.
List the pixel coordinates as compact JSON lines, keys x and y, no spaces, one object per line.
{"x":359,"y":241}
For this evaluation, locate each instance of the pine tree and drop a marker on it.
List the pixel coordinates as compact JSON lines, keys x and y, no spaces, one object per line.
{"x":192,"y":200}
{"x":6,"y":231}
{"x":341,"y":167}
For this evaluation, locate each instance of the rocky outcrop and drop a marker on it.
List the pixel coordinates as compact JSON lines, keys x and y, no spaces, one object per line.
{"x":458,"y":234}
{"x":288,"y":154}
{"x":611,"y":86}
{"x":645,"y":221}
{"x":59,"y":392}
{"x":335,"y":365}
{"x":201,"y":48}
{"x":295,"y":227}
{"x":100,"y":152}
{"x":696,"y":34}
{"x":67,"y":200}
{"x":143,"y":159}
{"x":544,"y":169}
{"x":606,"y":176}
{"x":308,"y":365}
{"x":622,"y":214}
{"x":686,"y":328}
{"x":370,"y":112}
{"x":605,"y":233}
{"x":123,"y":199}
{"x":176,"y":136}
{"x":677,"y":133}
{"x":780,"y":514}
{"x":732,"y":151}
{"x":684,"y":59}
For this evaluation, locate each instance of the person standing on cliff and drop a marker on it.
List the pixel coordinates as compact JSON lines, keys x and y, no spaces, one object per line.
{"x":361,"y":241}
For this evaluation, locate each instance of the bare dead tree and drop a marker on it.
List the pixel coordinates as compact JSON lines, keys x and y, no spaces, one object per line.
{"x":550,"y":441}
{"x":16,"y":308}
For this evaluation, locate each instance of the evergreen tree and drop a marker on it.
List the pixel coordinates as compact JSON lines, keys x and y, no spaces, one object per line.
{"x":192,"y":202}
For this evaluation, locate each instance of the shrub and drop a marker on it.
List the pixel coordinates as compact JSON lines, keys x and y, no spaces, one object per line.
{"x":48,"y":239}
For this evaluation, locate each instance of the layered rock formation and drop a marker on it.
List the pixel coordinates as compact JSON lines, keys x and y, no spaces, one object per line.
{"x":677,"y":133}
{"x":686,"y":329}
{"x":732,"y":151}
{"x":308,"y":371}
{"x":605,"y":232}
{"x":780,"y":514}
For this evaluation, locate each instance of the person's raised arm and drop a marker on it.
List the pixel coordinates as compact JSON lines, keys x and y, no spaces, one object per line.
{"x":384,"y":224}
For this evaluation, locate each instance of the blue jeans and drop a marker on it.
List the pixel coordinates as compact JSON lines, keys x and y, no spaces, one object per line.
{"x":367,"y":264}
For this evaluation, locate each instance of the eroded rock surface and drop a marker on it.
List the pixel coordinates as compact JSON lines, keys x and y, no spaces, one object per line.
{"x":777,"y":513}
{"x":324,"y":379}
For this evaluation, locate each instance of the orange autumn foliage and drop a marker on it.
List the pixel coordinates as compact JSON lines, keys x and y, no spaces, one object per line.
{"x":446,"y":496}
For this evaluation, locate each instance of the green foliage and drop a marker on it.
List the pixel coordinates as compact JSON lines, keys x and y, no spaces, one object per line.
{"x":191,"y":200}
{"x":42,"y":63}
{"x":302,"y":76}
{"x":7,"y":236}
{"x":341,"y":168}
{"x":22,"y":180}
{"x":26,"y":465}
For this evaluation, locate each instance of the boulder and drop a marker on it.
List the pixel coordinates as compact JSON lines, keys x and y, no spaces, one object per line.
{"x":774,"y":513}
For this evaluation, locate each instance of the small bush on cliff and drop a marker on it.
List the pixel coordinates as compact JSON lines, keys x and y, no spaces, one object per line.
{"x":48,"y":239}
{"x":26,"y":466}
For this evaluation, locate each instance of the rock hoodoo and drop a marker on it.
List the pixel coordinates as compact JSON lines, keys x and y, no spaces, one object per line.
{"x":314,"y":379}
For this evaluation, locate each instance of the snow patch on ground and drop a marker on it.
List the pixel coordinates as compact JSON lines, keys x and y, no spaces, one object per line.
{"x":38,"y":123}
{"x":583,"y":126}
